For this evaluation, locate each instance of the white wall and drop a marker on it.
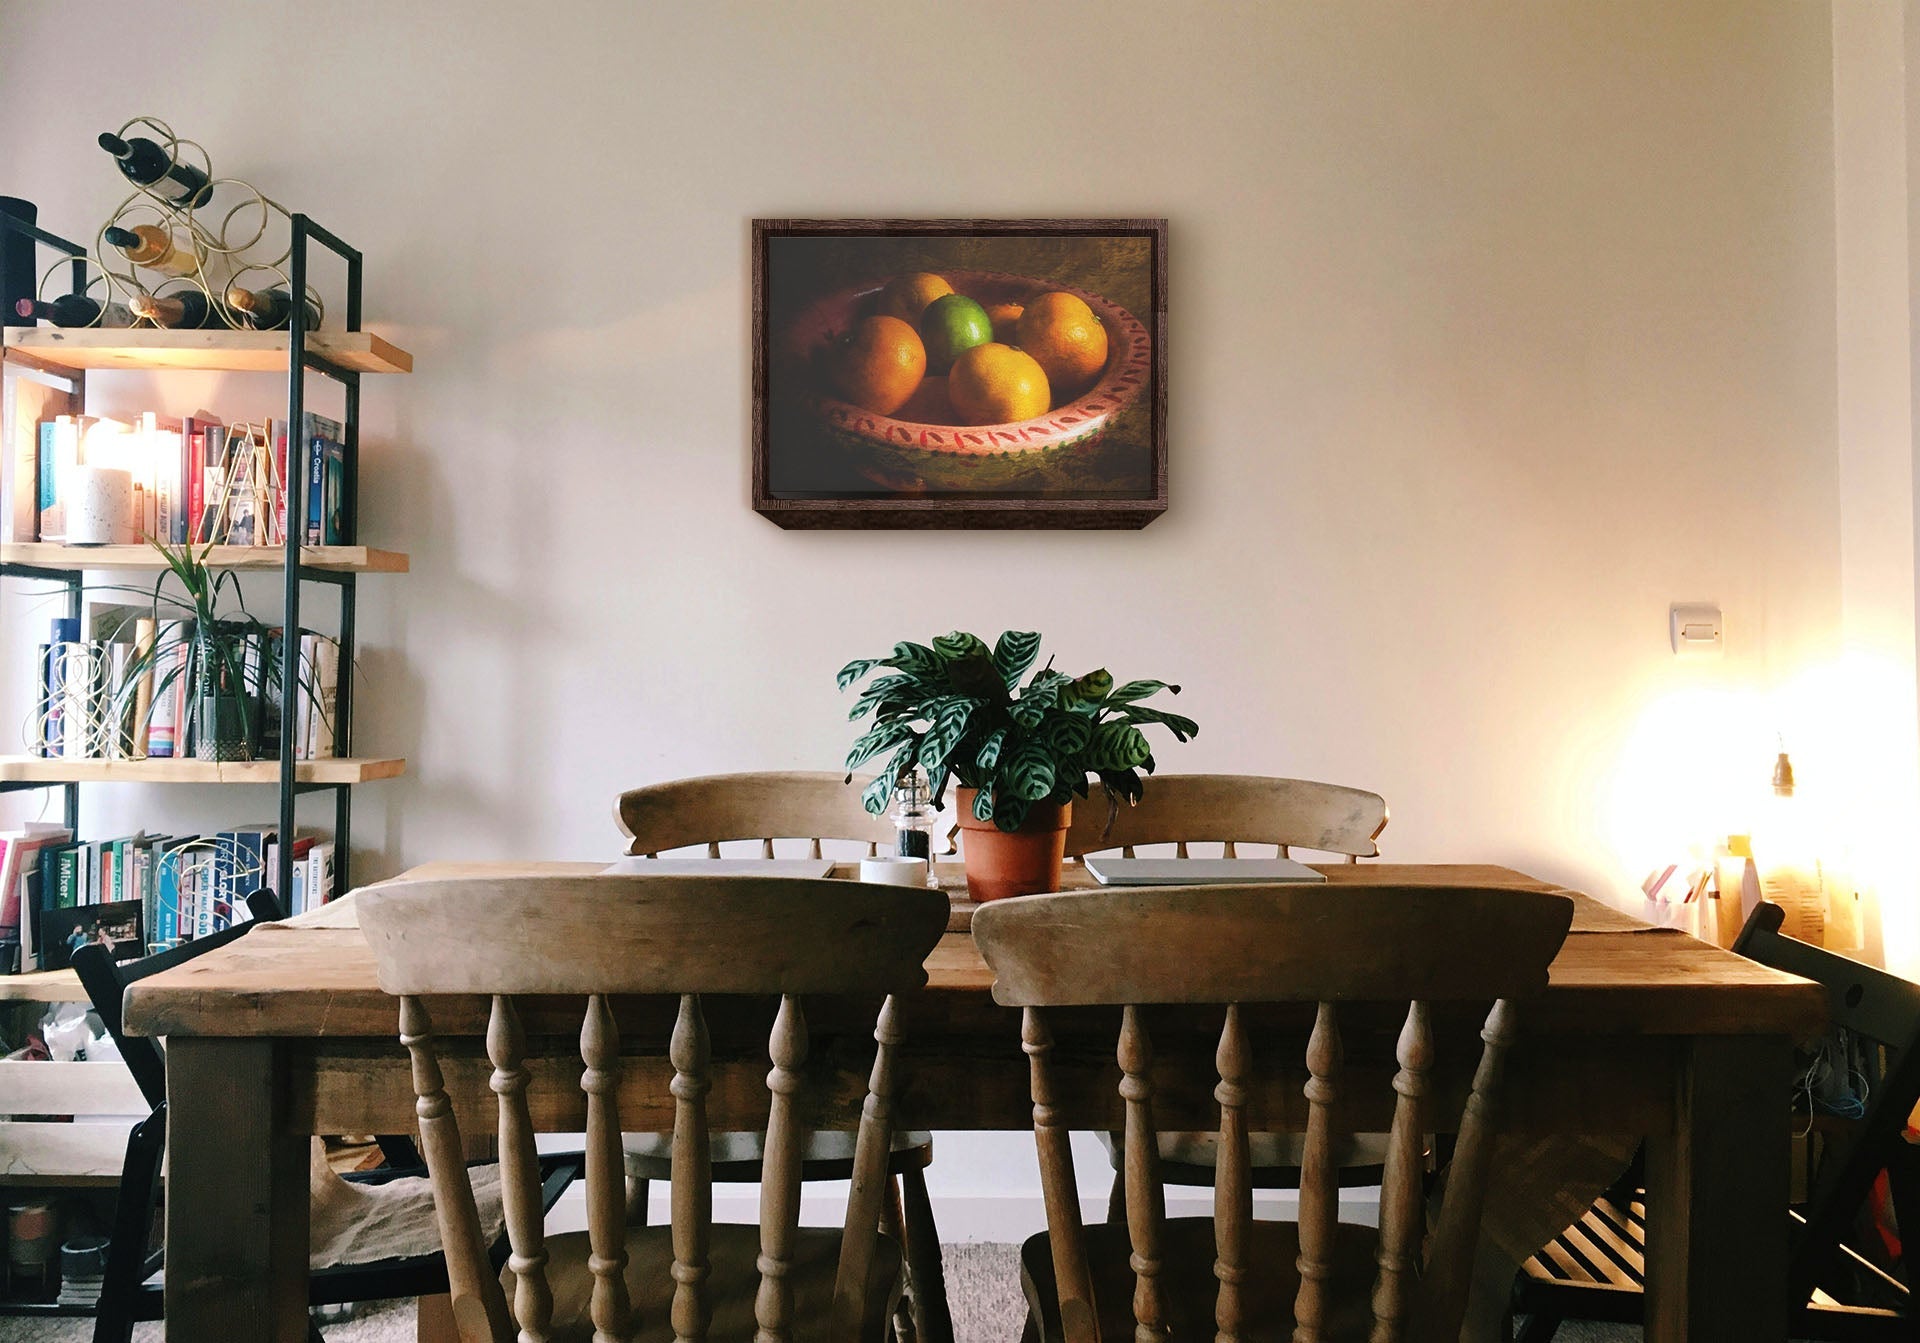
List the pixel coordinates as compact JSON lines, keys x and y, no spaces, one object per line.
{"x":1494,"y":328}
{"x":1873,"y":234}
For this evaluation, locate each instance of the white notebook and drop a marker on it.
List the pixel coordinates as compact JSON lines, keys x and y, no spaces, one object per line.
{"x":1198,"y":871}
{"x":722,"y":867}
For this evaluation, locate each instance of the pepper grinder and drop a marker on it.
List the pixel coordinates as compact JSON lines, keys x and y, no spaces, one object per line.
{"x":913,"y":817}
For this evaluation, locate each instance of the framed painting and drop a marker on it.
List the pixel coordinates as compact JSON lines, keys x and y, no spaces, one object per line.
{"x":960,"y":372}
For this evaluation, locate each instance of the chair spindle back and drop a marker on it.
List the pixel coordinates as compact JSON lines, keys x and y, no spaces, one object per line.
{"x":712,"y":809}
{"x":1235,"y":809}
{"x":1242,"y":946}
{"x":607,"y":938}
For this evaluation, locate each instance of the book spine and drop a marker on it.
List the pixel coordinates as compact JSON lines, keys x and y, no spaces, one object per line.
{"x":166,"y":897}
{"x":316,"y":491}
{"x":67,"y":891}
{"x":45,"y":731}
{"x":280,"y":479}
{"x":143,"y":688}
{"x":75,"y":676}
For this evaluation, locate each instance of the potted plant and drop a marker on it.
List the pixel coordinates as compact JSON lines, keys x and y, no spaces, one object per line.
{"x":226,"y":660}
{"x":1019,"y":753}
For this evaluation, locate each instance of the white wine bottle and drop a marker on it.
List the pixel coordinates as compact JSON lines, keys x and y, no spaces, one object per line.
{"x":145,"y":162}
{"x":269,"y":309}
{"x":182,"y":310}
{"x":155,"y":248}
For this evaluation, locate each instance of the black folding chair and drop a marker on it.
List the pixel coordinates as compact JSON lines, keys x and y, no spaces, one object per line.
{"x":131,"y":1289}
{"x":1595,"y":1270}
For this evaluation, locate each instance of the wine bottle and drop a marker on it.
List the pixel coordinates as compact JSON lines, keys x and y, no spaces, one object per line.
{"x":269,"y":309}
{"x":154,"y":248}
{"x":74,"y":310}
{"x":184,"y":310}
{"x":148,"y":164}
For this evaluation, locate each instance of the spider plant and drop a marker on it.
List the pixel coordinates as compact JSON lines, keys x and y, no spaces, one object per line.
{"x":222,"y":713}
{"x":956,"y":709}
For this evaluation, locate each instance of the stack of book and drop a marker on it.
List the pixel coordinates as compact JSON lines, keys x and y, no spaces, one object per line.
{"x":129,"y":689}
{"x":195,"y":480}
{"x":141,"y":892}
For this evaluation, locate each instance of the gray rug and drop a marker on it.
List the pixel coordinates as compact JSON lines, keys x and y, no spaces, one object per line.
{"x":983,"y":1288}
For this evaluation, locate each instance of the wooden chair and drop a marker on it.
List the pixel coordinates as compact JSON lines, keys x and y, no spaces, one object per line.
{"x":1596,"y":1269}
{"x":131,"y":1288}
{"x":1157,"y":955}
{"x":1234,"y":810}
{"x":813,"y":805}
{"x":816,"y":806}
{"x":678,"y":938}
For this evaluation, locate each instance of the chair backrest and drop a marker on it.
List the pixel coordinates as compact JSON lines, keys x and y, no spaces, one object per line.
{"x":1235,"y":809}
{"x":677,"y":937}
{"x":1246,"y":945}
{"x":1876,"y":1007}
{"x":106,"y":981}
{"x":813,"y":805}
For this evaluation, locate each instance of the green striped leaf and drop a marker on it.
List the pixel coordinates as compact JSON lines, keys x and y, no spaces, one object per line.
{"x":948,"y":716}
{"x":876,"y":695}
{"x":983,"y":805}
{"x":989,"y":758}
{"x":1095,"y":685}
{"x":854,"y":670}
{"x":1117,"y":746}
{"x":1182,"y":728}
{"x":876,"y":740}
{"x":1014,"y":653}
{"x":1134,"y":690}
{"x":959,"y":645}
{"x":1029,"y":773}
{"x":1067,"y":733}
{"x":913,"y":659}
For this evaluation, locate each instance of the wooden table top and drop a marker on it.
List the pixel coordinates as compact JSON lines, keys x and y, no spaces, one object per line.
{"x":313,"y":976}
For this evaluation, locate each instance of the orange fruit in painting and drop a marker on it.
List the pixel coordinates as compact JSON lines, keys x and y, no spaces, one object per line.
{"x":997,"y":384}
{"x":907,"y":296}
{"x":1006,"y":321}
{"x":879,"y":364}
{"x":929,"y":404}
{"x":1063,"y":334}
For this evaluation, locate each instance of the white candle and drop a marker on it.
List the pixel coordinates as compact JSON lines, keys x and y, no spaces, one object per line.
{"x":100,"y":507}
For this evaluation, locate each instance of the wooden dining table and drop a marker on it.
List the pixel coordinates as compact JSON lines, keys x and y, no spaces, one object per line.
{"x":1647,"y":1033}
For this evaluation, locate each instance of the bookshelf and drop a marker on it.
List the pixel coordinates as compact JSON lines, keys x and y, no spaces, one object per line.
{"x":54,"y":348}
{"x":54,"y":557}
{"x":64,"y":357}
{"x":330,"y":773}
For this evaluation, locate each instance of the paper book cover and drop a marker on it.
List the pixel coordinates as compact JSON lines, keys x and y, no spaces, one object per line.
{"x":27,"y":401}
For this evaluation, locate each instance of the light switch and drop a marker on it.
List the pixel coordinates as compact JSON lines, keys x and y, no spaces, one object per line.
{"x":1695,"y":629}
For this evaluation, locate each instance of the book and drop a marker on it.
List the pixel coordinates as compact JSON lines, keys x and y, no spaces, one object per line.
{"x":28,"y":404}
{"x":165,"y":722}
{"x":19,"y":855}
{"x":319,"y":883}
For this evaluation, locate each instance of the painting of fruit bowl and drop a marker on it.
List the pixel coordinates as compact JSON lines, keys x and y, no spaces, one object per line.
{"x":979,"y":373}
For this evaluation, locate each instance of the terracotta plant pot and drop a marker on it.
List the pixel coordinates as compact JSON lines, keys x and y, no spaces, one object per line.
{"x":1019,"y":862}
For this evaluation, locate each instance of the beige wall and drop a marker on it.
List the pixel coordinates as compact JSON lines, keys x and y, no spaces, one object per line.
{"x":1494,"y":329}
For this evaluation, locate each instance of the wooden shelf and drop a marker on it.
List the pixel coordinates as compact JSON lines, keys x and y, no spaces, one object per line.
{"x":336,"y":559}
{"x":38,"y":769}
{"x":73,"y":348}
{"x":42,"y":986}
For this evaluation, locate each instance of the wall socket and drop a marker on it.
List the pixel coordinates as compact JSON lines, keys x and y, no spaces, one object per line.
{"x":1694,"y":628}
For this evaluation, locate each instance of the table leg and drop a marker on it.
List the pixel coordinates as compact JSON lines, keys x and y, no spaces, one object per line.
{"x":237,"y":1200}
{"x":1717,"y":1187}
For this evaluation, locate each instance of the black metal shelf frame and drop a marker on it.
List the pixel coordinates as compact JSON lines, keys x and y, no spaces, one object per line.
{"x":300,"y":362}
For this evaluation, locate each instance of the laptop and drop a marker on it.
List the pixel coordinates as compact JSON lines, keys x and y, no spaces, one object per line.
{"x":1198,"y":871}
{"x":721,"y":867}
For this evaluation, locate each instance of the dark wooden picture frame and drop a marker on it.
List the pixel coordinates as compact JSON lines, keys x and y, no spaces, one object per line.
{"x":1095,"y":459}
